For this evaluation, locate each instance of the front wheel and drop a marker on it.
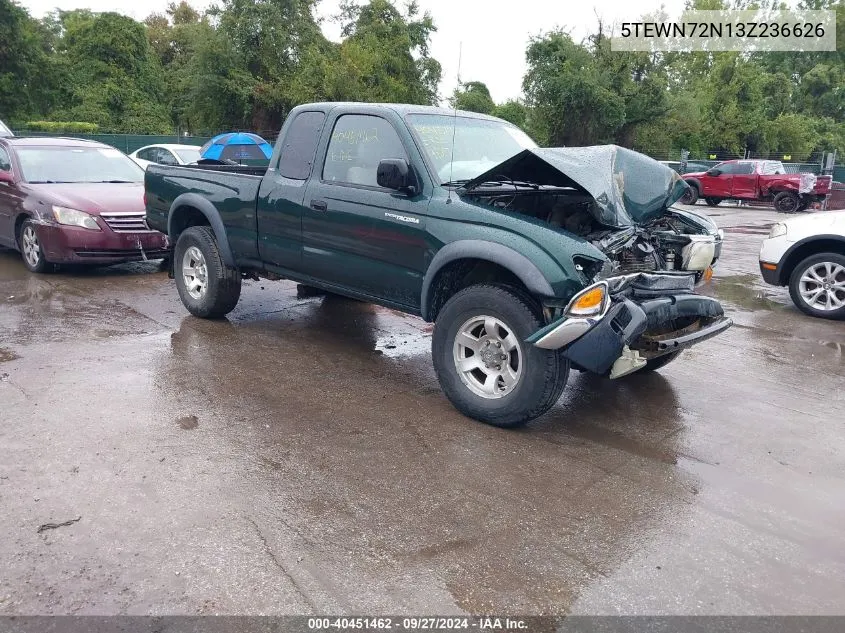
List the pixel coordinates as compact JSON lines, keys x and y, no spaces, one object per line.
{"x":483,"y":364}
{"x":207,"y":287}
{"x":690,"y":195}
{"x":31,"y":251}
{"x":787,"y":202}
{"x":817,"y":286}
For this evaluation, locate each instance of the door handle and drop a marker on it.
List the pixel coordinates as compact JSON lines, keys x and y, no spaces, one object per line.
{"x":319,"y":205}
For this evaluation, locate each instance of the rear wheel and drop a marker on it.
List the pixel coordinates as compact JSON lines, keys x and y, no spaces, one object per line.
{"x":31,"y":251}
{"x":483,"y":364}
{"x":690,"y":195}
{"x":207,"y":287}
{"x":817,"y":286}
{"x":712,"y":202}
{"x":786,"y":202}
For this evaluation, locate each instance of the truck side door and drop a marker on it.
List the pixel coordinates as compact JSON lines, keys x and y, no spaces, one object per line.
{"x":359,"y":235}
{"x":718,"y":186}
{"x":744,"y":182}
{"x":279,"y":207}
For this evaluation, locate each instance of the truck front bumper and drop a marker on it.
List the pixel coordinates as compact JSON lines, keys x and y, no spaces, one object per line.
{"x":632,"y":329}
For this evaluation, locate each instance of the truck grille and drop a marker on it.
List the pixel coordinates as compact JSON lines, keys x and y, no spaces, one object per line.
{"x":127,"y":222}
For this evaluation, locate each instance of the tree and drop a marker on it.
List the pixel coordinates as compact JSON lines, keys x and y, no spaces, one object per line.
{"x":110,"y":75}
{"x":385,"y":55}
{"x":27,"y":75}
{"x":270,"y":39}
{"x":572,"y":101}
{"x":177,"y":38}
{"x":514,"y":112}
{"x":473,"y":96}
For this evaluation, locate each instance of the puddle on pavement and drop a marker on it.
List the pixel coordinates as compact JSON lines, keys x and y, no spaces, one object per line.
{"x":401,"y":335}
{"x":749,"y":229}
{"x":188,"y":422}
{"x":742,"y":292}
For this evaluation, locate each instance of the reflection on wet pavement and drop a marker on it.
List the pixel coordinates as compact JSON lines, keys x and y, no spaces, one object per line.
{"x":299,"y":457}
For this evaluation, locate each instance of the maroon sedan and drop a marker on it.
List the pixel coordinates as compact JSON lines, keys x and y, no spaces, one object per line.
{"x":70,"y":201}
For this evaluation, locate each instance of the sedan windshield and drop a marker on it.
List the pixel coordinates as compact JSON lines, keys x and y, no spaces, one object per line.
{"x":479,"y":145}
{"x":188,"y":155}
{"x":77,"y":164}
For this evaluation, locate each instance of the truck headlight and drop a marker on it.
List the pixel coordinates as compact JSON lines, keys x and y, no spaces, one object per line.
{"x":699,"y":253}
{"x":777,"y":230}
{"x":74,"y":217}
{"x":590,"y":302}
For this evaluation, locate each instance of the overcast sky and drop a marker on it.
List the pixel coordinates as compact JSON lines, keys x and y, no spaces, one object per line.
{"x":493,"y":33}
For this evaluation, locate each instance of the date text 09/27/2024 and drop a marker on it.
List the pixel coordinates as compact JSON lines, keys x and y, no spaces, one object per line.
{"x":417,"y":623}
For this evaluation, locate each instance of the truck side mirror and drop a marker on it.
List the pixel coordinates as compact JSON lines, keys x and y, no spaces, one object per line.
{"x":714,"y":172}
{"x":7,"y":177}
{"x":395,"y":173}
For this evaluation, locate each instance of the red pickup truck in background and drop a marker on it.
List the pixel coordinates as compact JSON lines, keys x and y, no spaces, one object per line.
{"x":763,"y":180}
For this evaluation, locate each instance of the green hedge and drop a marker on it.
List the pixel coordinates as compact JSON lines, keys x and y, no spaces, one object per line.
{"x":62,"y":127}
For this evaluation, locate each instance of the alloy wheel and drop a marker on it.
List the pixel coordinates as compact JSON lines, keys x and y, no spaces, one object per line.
{"x":195,"y":272}
{"x":488,"y":356}
{"x":30,"y":246}
{"x":822,"y":286}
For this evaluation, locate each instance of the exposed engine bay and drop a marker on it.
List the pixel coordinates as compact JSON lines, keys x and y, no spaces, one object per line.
{"x":677,"y":240}
{"x":617,"y":199}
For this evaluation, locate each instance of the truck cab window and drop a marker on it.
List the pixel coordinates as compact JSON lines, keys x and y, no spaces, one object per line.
{"x":300,"y":145}
{"x":357,"y":144}
{"x":5,"y":163}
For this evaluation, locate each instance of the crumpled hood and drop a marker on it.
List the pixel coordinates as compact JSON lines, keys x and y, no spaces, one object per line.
{"x":94,"y":198}
{"x":629,"y":188}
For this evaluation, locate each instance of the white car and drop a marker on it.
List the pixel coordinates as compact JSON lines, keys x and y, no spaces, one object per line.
{"x":807,"y":254}
{"x":166,"y":154}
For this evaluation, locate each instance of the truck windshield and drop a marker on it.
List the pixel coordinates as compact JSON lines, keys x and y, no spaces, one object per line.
{"x":480,"y":144}
{"x":56,"y":163}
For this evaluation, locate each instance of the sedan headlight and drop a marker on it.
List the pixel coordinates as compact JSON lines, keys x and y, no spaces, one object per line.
{"x":777,"y":230}
{"x":74,"y":217}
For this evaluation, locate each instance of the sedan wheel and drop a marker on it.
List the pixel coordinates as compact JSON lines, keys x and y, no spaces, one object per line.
{"x":31,"y":251}
{"x":817,"y":285}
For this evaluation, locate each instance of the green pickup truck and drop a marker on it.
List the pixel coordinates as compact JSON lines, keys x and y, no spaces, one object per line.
{"x":529,"y":261}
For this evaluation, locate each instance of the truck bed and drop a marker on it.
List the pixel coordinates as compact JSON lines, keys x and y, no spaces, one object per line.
{"x":232,"y":189}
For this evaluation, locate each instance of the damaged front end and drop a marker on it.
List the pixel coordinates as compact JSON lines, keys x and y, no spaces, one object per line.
{"x":616,"y":326}
{"x":618,"y":200}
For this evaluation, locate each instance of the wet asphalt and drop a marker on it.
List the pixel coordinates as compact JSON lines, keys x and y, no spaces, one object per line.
{"x":300,"y":457}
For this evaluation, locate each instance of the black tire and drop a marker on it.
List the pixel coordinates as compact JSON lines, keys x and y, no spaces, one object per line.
{"x":795,"y":285}
{"x":786,"y":202}
{"x":690,"y":195}
{"x":222,"y":288}
{"x":41,"y":265}
{"x":543,"y":372}
{"x":712,"y":202}
{"x":654,"y":364}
